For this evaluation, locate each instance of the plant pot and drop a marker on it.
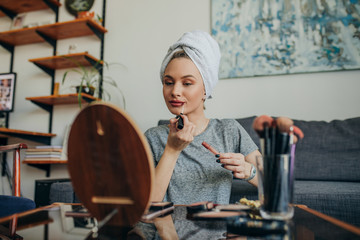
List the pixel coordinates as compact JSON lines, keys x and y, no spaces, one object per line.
{"x":87,"y":90}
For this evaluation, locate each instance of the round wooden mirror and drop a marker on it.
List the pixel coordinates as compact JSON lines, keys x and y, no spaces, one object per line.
{"x":110,"y":164}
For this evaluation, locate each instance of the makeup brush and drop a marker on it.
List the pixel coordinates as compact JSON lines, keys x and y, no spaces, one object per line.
{"x":260,"y":126}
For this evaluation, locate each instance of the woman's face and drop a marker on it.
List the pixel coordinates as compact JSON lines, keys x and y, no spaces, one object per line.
{"x":183,"y":87}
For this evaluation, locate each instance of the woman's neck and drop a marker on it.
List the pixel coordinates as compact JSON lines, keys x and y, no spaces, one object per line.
{"x":200,"y":122}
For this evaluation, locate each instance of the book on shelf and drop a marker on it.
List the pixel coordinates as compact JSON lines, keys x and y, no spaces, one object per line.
{"x":49,"y":147}
{"x":43,"y":159}
{"x":42,"y":153}
{"x":45,"y":150}
{"x":43,"y":156}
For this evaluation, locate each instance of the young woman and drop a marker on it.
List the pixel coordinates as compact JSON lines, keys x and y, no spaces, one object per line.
{"x":186,"y":172}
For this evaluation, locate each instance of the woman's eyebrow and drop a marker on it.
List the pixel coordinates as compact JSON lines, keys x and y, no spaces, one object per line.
{"x":188,"y":76}
{"x":168,"y":76}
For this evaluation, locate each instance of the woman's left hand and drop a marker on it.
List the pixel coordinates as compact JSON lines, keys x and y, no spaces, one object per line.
{"x":236,"y":163}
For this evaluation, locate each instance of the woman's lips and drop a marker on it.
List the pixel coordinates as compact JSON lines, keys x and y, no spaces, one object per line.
{"x":176,"y":103}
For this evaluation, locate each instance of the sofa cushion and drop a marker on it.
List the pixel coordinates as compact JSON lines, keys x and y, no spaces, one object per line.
{"x":329,"y":150}
{"x":11,"y":204}
{"x":337,"y":199}
{"x":246,"y":123}
{"x":63,"y":192}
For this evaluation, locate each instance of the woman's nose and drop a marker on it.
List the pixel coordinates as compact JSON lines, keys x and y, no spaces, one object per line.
{"x":176,"y":90}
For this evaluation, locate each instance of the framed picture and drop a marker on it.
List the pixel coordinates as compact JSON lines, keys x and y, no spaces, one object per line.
{"x":7,"y":91}
{"x":274,"y":37}
{"x":18,"y":21}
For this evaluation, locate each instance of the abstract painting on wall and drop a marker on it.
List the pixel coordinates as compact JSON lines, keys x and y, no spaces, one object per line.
{"x":270,"y":37}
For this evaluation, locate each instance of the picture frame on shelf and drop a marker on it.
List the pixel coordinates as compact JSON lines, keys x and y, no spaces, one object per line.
{"x":7,"y":91}
{"x":18,"y":21}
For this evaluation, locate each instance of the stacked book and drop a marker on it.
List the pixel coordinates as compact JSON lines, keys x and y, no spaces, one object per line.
{"x":43,"y":153}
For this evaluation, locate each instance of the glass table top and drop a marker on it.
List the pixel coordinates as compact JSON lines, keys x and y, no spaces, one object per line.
{"x":67,"y":221}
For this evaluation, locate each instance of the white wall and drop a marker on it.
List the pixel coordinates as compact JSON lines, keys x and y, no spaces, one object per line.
{"x":140,"y":33}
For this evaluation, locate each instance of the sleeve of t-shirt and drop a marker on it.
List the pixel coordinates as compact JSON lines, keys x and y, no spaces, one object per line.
{"x":152,"y":143}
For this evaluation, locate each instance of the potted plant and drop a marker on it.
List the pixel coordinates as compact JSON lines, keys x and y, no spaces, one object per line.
{"x":91,"y":82}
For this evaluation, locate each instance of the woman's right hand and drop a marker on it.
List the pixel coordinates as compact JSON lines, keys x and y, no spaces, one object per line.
{"x":178,"y":140}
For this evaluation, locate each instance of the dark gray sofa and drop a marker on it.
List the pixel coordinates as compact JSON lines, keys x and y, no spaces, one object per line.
{"x":327,"y":168}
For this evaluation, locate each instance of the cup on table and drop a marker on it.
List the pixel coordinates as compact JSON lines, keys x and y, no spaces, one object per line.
{"x":275,"y":186}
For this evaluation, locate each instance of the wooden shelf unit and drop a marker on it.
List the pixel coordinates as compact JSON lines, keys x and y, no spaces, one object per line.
{"x":66,"y":61}
{"x":52,"y":32}
{"x":49,"y":33}
{"x":12,"y":8}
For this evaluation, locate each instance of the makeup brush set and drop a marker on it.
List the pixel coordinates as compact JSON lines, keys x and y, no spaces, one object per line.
{"x":276,"y":166}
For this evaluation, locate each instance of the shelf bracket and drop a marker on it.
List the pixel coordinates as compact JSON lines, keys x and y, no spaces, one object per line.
{"x":8,"y":47}
{"x":96,"y":64}
{"x":43,"y":106}
{"x":10,"y":14}
{"x":98,"y":33}
{"x":52,"y":6}
{"x":51,"y":41}
{"x":45,"y":167}
{"x":49,"y":71}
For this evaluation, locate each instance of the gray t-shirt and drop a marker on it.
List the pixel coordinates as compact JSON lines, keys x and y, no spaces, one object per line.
{"x":197,"y":176}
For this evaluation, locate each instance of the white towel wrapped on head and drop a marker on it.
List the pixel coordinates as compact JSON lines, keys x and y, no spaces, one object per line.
{"x":204,"y":51}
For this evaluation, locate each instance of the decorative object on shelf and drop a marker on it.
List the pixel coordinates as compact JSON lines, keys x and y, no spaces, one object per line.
{"x":92,"y":80}
{"x":72,"y":48}
{"x":76,"y":6}
{"x":99,"y":19}
{"x":85,"y":89}
{"x":56,"y":89}
{"x":86,"y":14}
{"x":18,"y":21}
{"x":45,"y":23}
{"x":7,"y":91}
{"x":33,"y":24}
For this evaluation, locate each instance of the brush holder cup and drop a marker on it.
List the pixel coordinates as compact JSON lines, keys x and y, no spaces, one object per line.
{"x":275,"y":186}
